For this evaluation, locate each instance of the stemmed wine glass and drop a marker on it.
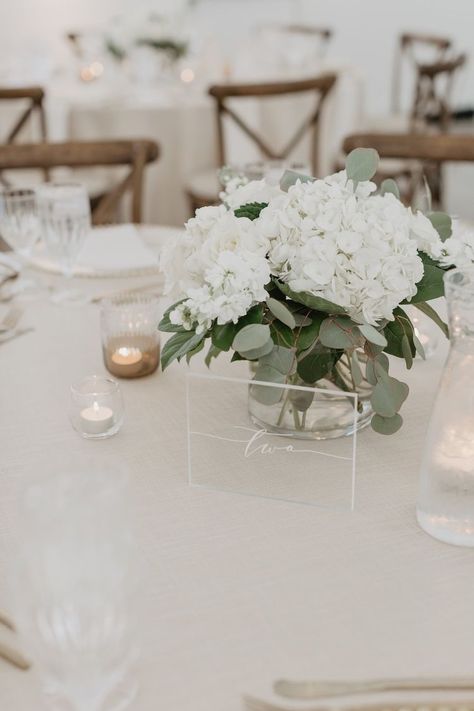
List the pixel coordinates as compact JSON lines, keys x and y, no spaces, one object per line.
{"x":19,"y":223}
{"x":65,"y":219}
{"x":71,"y":587}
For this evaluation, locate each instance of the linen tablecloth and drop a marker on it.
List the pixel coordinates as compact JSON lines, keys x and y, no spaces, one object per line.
{"x":237,"y":591}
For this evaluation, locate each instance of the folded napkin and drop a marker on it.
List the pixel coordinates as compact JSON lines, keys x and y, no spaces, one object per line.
{"x":116,"y":248}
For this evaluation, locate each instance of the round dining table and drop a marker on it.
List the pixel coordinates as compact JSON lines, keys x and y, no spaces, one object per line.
{"x":236,"y":591}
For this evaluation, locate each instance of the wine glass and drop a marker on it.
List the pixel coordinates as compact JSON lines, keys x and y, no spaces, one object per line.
{"x":65,"y":219}
{"x":71,"y":587}
{"x":19,"y":222}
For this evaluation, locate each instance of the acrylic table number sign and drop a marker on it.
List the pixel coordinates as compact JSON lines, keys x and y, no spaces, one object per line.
{"x":231,"y":449}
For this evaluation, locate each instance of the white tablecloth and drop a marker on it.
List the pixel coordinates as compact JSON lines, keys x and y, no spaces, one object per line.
{"x":238,"y":591}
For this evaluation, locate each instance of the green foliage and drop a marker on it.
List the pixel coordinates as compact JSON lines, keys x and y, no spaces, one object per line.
{"x":362,"y":164}
{"x":390,"y":186}
{"x":178,"y":345}
{"x":290,"y":177}
{"x":442,"y":224}
{"x":281,"y":359}
{"x":281,"y":312}
{"x":251,"y":338}
{"x":339,"y":332}
{"x":175,"y":50}
{"x":395,"y":331}
{"x":308,"y":334}
{"x":431,"y":313}
{"x":372,"y":335}
{"x":431,"y":285}
{"x":251,"y":210}
{"x":386,"y":425}
{"x":213,"y":352}
{"x":312,"y":302}
{"x":165,"y":324}
{"x":316,"y":366}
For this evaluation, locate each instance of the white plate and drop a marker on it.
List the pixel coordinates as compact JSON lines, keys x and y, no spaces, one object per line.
{"x":152,"y":239}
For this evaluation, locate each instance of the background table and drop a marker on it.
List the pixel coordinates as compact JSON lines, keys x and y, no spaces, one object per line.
{"x":238,"y":591}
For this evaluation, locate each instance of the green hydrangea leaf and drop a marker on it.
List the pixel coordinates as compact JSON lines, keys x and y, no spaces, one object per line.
{"x":251,"y":210}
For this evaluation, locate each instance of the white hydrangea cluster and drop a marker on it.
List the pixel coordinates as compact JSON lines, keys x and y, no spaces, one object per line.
{"x":219,"y":265}
{"x":323,"y":237}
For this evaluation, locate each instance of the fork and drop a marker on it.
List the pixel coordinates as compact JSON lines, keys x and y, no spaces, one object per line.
{"x":11,"y":319}
{"x":326,"y":689}
{"x":253,"y":704}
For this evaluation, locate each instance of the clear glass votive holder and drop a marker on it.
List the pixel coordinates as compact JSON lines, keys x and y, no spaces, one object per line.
{"x":130,"y":336}
{"x":96,"y":407}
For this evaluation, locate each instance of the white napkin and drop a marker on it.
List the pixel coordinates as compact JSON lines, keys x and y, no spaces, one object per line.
{"x":115,"y":248}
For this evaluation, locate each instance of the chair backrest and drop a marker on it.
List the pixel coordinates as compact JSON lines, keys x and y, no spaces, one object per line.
{"x":34,"y":97}
{"x":433,"y":90}
{"x":135,"y":154}
{"x":320,"y":86}
{"x":408,"y":50}
{"x":437,"y":148}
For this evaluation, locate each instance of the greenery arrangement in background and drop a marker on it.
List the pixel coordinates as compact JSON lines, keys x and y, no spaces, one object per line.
{"x":298,"y":336}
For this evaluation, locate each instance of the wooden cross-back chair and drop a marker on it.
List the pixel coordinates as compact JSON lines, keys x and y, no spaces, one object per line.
{"x":225,"y":96}
{"x":438,"y":148}
{"x":408,"y":49}
{"x":431,"y":98}
{"x":80,"y":154}
{"x":429,"y":149}
{"x":33,"y":96}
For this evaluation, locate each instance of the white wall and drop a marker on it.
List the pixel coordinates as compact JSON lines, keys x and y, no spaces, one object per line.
{"x":365,"y":30}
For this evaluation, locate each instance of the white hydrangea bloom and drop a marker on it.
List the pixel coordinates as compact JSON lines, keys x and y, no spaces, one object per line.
{"x":355,"y":249}
{"x":238,"y":192}
{"x":220,"y":265}
{"x":458,"y":250}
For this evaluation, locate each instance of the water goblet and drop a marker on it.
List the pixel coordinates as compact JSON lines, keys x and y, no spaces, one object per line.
{"x":71,"y":587}
{"x":65,"y":219}
{"x":19,"y":223}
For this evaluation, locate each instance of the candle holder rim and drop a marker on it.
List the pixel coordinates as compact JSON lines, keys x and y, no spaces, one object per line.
{"x":126,"y":299}
{"x":74,"y":387}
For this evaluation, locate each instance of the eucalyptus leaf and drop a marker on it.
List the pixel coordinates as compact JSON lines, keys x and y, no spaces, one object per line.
{"x":406,"y":350}
{"x":282,"y":335}
{"x":281,"y":312}
{"x":257,"y":353}
{"x":386,"y":425}
{"x":311,"y":301}
{"x":388,"y":396}
{"x":281,"y":359}
{"x":431,"y":313}
{"x":265,"y":394}
{"x":442,"y":224}
{"x":390,"y":186}
{"x":308,"y":334}
{"x":362,"y":164}
{"x":419,"y":347}
{"x":251,"y":337}
{"x":372,"y":335}
{"x":301,"y":399}
{"x":302,"y":320}
{"x":290,"y":177}
{"x":178,"y":345}
{"x":337,"y":333}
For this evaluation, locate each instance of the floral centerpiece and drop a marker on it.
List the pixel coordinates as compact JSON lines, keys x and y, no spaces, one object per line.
{"x":162,"y":31}
{"x":309,"y":281}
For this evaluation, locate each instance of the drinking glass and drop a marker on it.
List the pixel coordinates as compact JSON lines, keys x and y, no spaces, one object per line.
{"x":71,"y":587}
{"x":445,"y":506}
{"x":19,"y":223}
{"x":65,"y":219}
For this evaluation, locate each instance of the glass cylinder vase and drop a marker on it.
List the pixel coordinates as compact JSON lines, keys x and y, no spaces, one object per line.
{"x":445,"y":507}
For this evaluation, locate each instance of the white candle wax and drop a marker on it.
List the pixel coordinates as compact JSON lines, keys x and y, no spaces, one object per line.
{"x":96,"y":419}
{"x":127,"y":356}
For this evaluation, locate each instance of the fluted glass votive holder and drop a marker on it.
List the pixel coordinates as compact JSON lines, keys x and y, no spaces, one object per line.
{"x":96,"y":407}
{"x":130,"y":337}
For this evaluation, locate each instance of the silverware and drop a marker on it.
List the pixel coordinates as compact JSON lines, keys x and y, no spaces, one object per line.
{"x":6,"y":622}
{"x":11,"y":656}
{"x":11,"y":318}
{"x":326,"y":689}
{"x":253,"y":704}
{"x":11,"y":335}
{"x":119,"y":292}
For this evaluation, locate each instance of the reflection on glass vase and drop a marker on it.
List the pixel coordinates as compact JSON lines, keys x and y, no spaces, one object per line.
{"x":445,"y":506}
{"x":326,"y":413}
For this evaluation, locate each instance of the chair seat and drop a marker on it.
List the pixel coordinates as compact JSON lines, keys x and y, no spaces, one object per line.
{"x":203,"y":189}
